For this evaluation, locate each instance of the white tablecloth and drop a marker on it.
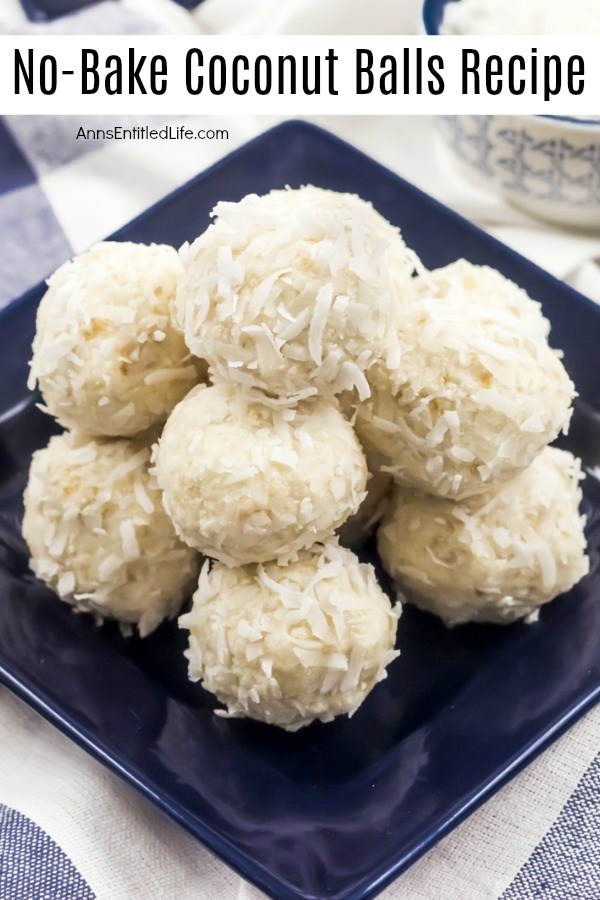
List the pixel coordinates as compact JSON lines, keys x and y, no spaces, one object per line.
{"x":538,"y":837}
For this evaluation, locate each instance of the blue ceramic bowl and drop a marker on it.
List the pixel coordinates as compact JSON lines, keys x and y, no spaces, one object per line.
{"x":545,"y":165}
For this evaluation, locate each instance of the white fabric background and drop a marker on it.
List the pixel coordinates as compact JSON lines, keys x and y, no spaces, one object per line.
{"x":121,"y":845}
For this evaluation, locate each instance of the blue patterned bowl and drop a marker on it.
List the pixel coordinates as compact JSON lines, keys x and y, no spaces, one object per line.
{"x":547,"y":166}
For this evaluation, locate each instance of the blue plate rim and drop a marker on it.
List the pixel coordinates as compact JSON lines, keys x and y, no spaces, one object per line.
{"x":248,"y":867}
{"x":241,"y":862}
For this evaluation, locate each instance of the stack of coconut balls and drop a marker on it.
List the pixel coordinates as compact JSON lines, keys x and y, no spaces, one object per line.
{"x":263,"y":399}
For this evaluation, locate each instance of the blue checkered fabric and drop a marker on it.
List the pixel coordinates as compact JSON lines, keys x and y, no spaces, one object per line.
{"x":108,"y":17}
{"x":32,"y":865}
{"x":33,"y":242}
{"x":566,"y":863}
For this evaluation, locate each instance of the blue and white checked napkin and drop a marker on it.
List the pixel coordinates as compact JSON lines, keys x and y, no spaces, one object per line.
{"x":70,"y":830}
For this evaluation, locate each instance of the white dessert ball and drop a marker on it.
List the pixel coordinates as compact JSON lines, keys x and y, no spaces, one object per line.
{"x":492,"y":558}
{"x":98,"y":535}
{"x":481,"y":391}
{"x":295,"y":291}
{"x":244,"y":481}
{"x":291,"y":644}
{"x":106,"y":355}
{"x":359,"y":527}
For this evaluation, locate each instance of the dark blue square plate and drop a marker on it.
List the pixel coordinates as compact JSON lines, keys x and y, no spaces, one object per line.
{"x":339,"y":810}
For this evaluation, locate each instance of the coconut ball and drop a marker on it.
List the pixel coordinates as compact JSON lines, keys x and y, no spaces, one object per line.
{"x":247,"y":482}
{"x":492,"y":558}
{"x":359,"y":527}
{"x":295,"y":291}
{"x":106,"y":355}
{"x":288,"y":645}
{"x":98,"y":534}
{"x":481,"y":391}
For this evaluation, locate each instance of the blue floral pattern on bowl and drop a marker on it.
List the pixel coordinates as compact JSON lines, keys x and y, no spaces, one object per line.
{"x":538,"y":162}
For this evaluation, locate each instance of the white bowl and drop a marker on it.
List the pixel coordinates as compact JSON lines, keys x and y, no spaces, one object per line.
{"x":546,"y":165}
